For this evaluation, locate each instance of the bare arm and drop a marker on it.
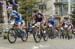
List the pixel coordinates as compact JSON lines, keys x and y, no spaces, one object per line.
{"x":9,"y":18}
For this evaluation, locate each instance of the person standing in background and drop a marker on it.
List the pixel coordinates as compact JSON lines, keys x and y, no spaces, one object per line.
{"x":15,"y":4}
{"x":9,"y":6}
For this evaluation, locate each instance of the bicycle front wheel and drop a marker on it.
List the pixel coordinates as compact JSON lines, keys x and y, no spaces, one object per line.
{"x":37,"y":35}
{"x":12,"y":36}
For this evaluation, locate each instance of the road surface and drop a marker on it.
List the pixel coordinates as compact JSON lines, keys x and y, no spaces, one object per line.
{"x":30,"y":44}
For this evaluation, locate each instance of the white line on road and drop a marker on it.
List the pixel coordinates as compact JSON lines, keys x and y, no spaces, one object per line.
{"x":35,"y":47}
{"x":40,"y":46}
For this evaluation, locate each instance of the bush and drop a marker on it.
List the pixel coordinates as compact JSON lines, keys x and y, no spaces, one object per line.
{"x":5,"y":35}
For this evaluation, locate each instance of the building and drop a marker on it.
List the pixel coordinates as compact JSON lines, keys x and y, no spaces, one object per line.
{"x":58,"y":7}
{"x":73,"y":5}
{"x":46,"y":6}
{"x":63,"y":7}
{"x":55,"y":7}
{"x":50,"y":7}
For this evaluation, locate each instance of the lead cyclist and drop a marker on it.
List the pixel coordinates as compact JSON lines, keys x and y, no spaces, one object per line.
{"x":15,"y":16}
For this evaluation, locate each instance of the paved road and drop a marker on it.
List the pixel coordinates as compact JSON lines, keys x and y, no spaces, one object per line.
{"x":30,"y":44}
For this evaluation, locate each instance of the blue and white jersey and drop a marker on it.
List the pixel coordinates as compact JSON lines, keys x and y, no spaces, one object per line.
{"x":67,"y":22}
{"x":16,"y":16}
{"x":51,"y":20}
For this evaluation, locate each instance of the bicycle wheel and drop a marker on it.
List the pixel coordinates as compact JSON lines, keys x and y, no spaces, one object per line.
{"x":24,"y":35}
{"x":50,"y":32}
{"x":45,"y":35}
{"x":37,"y":35}
{"x":68,"y":35}
{"x":12,"y":36}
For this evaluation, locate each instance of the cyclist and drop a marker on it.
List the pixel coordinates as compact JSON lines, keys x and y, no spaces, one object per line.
{"x":37,"y":18}
{"x":67,"y":23}
{"x":44,"y":23}
{"x":15,"y":16}
{"x":23,"y":24}
{"x":51,"y":21}
{"x":51,"y":24}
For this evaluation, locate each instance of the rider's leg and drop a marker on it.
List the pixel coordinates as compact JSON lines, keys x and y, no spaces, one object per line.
{"x":19,"y":26}
{"x":23,"y":25}
{"x":70,"y":29}
{"x":54,"y":30}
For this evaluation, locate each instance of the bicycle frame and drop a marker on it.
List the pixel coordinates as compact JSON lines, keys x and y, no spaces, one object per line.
{"x":17,"y":31}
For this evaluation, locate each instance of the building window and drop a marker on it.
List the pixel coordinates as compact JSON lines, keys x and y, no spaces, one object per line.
{"x":57,"y":10}
{"x":65,"y":9}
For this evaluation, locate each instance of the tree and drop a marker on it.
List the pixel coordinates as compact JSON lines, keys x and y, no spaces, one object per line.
{"x":1,"y":11}
{"x":25,"y":8}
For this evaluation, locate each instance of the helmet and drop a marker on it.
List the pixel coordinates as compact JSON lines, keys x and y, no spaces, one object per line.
{"x":9,"y":9}
{"x":51,"y":16}
{"x":66,"y":17}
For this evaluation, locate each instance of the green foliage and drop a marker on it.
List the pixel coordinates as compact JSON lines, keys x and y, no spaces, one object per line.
{"x":5,"y":35}
{"x":26,"y":8}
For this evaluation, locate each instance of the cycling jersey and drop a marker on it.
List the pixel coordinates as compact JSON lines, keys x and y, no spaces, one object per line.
{"x":67,"y":22}
{"x":39,"y":17}
{"x":51,"y":21}
{"x":16,"y":16}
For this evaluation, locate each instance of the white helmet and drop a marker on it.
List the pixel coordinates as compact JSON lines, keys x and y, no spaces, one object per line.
{"x":9,"y":9}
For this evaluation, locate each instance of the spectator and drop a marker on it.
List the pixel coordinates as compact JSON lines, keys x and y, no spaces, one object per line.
{"x":10,"y":6}
{"x":15,"y":5}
